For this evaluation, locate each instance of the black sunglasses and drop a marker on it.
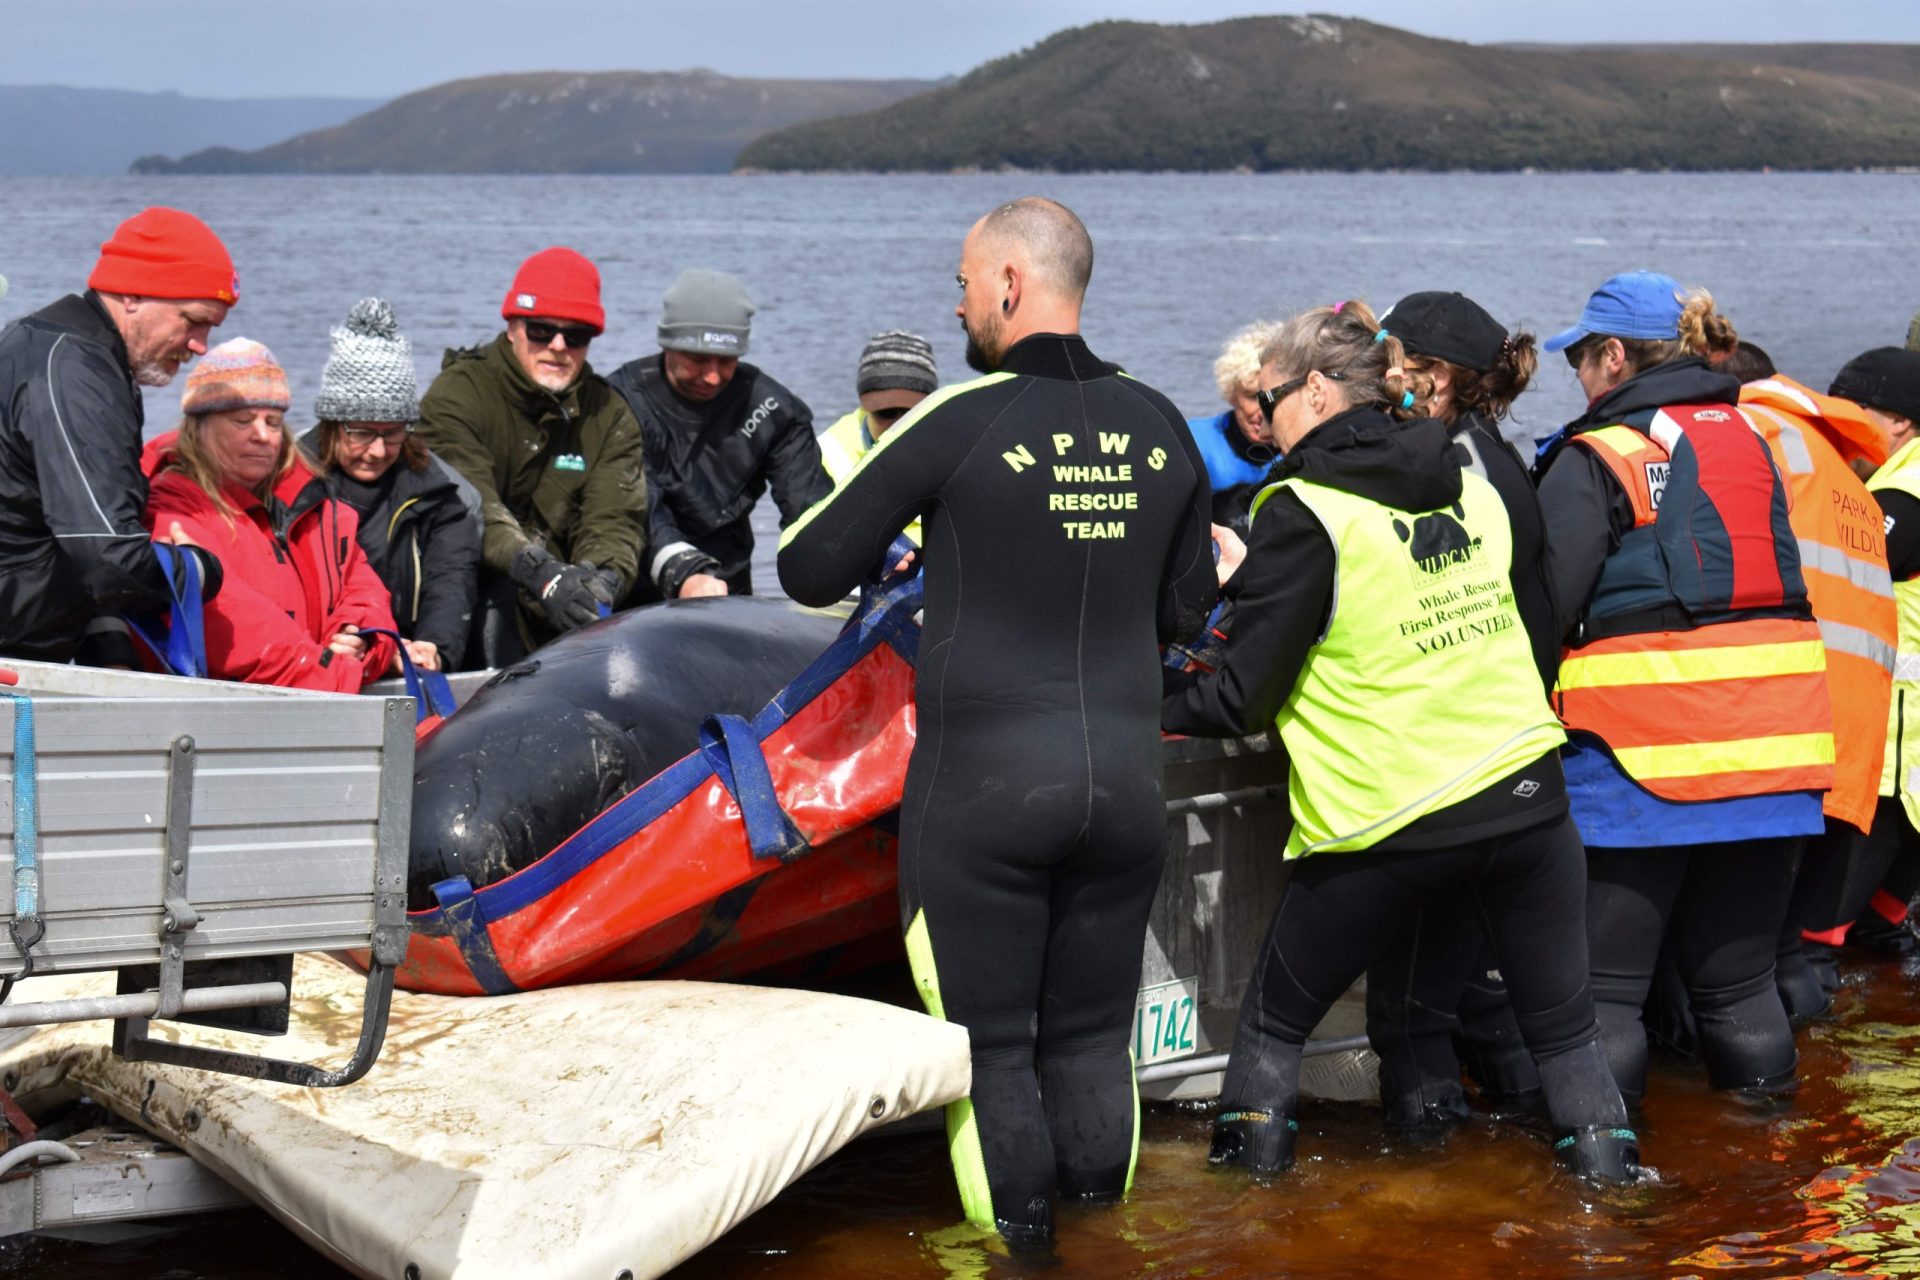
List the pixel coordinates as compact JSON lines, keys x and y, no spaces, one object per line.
{"x":1270,"y":399}
{"x":1577,"y":353}
{"x":577,"y":336}
{"x":887,"y":417}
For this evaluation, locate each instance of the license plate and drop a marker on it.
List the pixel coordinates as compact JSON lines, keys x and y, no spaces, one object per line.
{"x":1165,"y":1021}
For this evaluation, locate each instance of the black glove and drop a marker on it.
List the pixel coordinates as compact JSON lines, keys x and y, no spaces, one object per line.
{"x":560,"y":588}
{"x":604,"y":583}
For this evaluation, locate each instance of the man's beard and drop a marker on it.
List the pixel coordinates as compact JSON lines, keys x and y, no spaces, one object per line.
{"x":152,"y":373}
{"x":984,"y":357}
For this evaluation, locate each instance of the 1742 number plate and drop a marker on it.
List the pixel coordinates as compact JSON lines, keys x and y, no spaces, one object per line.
{"x":1165,"y":1021}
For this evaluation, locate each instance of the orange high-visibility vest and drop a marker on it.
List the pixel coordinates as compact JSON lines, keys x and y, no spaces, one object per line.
{"x":1733,"y":706}
{"x":1843,"y":556}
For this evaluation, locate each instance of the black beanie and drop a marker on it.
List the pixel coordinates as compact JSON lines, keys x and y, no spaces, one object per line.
{"x":1446,"y":326}
{"x":1885,"y":378}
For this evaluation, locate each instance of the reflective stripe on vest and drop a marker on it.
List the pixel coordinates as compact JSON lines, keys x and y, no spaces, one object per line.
{"x":1418,"y":696}
{"x":1843,"y":560}
{"x":1901,"y":775}
{"x":1733,"y":708}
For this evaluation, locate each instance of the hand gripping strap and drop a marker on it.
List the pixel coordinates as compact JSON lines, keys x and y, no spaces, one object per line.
{"x":183,"y":648}
{"x":431,"y":693}
{"x":730,"y":747}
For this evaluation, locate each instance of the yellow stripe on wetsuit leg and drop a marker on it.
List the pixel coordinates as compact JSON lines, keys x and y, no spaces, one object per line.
{"x":1692,"y":666}
{"x":1740,"y":755}
{"x":893,"y":436}
{"x":963,"y":1130}
{"x":1133,"y":1155}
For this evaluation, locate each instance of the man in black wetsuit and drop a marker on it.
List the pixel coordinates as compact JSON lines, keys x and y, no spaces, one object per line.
{"x":717,"y":432}
{"x":1066,"y":515}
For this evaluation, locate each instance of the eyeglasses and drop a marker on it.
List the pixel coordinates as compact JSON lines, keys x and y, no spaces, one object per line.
{"x":1270,"y":399}
{"x":1577,"y":353}
{"x":392,"y":437}
{"x":577,"y":336}
{"x":887,"y":417}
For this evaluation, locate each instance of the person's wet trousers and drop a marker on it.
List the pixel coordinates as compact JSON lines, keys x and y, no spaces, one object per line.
{"x":1723,"y":905}
{"x":1338,"y":911}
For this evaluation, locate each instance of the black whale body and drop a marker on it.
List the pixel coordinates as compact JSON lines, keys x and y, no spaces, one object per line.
{"x":553,"y":740}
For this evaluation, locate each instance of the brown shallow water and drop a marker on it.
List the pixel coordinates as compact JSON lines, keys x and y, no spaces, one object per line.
{"x":1826,"y":1186}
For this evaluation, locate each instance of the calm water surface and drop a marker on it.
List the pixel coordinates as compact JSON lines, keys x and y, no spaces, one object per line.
{"x":1816,"y":268}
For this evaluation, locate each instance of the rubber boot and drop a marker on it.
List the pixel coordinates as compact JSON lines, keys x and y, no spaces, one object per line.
{"x":1768,"y":1090}
{"x":1801,"y":991}
{"x":1824,"y":962}
{"x":1252,"y":1139}
{"x":1606,"y":1155}
{"x":1420,"y":1108}
{"x":1882,"y":926}
{"x":1029,"y":1235}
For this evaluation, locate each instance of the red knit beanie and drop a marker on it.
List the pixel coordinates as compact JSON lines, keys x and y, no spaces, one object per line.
{"x":164,"y":253}
{"x":557,"y":284}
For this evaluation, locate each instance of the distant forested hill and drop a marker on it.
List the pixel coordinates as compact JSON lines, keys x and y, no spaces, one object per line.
{"x":52,"y":129}
{"x":1318,"y":92}
{"x":557,"y":122}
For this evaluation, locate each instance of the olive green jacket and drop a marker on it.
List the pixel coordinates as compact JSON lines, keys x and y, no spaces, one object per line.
{"x":560,"y":470}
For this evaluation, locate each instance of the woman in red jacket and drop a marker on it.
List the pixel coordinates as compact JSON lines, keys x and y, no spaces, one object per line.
{"x":297,"y":591}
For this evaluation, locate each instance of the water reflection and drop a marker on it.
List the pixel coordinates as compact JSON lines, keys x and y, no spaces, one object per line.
{"x":1827,"y":1185}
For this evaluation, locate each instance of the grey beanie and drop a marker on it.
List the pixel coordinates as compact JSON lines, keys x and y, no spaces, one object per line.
{"x":706,"y":313}
{"x":897,"y":360}
{"x":370,"y":375}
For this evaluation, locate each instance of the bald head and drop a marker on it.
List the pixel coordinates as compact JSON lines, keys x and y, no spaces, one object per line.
{"x":1023,"y":270}
{"x":1046,"y":238}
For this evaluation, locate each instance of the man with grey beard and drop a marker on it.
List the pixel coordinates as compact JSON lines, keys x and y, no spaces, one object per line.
{"x":74,"y":555}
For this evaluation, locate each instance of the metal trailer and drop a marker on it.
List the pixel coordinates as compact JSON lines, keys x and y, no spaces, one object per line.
{"x":192,"y":836}
{"x":1227,"y":825}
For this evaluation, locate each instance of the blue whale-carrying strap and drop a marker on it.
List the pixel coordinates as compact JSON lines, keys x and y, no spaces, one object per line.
{"x":469,"y":929}
{"x":183,"y":647}
{"x":732,"y":749}
{"x":431,"y":693}
{"x":26,"y":926}
{"x":884,"y":618}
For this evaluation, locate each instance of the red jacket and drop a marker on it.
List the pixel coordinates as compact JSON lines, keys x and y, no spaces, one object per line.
{"x":294,"y":576}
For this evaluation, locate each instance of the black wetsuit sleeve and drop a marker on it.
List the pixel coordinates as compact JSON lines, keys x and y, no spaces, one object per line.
{"x":1586,"y":513}
{"x":1282,"y":593}
{"x":794,"y":470}
{"x":1901,"y":512}
{"x":1188,"y":583}
{"x":842,"y":538}
{"x":1532,"y":570}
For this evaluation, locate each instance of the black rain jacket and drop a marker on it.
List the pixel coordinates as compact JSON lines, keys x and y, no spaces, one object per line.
{"x":707,"y":465}
{"x":74,"y":553}
{"x":422,"y":536}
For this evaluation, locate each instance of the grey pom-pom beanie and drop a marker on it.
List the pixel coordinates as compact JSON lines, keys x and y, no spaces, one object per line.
{"x":369,"y":376}
{"x":706,"y":313}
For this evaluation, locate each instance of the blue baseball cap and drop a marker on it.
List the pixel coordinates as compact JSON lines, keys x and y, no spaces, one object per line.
{"x":1633,"y":304}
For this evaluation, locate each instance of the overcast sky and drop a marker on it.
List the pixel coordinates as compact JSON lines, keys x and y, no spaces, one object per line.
{"x":378,"y":48}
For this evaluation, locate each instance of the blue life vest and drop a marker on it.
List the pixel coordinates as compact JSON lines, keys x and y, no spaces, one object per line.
{"x":1226,"y":468}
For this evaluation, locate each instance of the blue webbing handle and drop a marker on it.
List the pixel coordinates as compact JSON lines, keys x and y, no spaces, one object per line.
{"x":432,"y":694}
{"x":183,"y":650}
{"x":729,"y":744}
{"x":26,"y":926}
